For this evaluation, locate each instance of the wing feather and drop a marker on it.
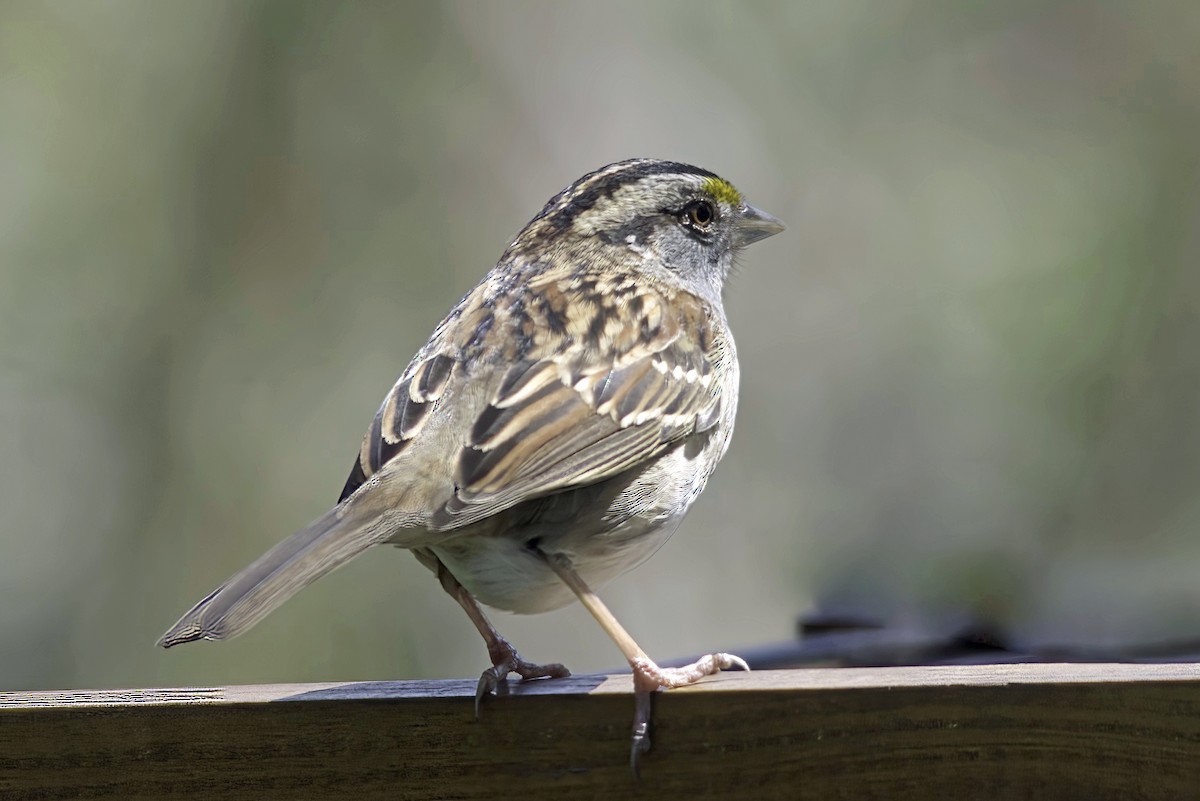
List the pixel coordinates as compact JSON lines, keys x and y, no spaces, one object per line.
{"x":569,"y":433}
{"x":631,"y":372}
{"x":401,"y":417}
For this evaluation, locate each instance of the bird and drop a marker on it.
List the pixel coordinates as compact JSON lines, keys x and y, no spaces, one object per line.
{"x":555,"y":428}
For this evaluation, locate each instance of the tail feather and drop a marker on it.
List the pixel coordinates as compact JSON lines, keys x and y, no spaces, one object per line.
{"x":327,"y":543}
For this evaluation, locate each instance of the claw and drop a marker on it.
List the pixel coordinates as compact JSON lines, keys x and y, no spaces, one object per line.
{"x":641,"y":727}
{"x":505,"y":660}
{"x":669,"y":678}
{"x":649,"y":677}
{"x":735,"y":662}
{"x":489,"y":682}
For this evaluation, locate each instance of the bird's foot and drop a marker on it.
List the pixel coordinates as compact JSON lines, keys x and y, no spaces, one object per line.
{"x":505,"y":660}
{"x":649,"y":677}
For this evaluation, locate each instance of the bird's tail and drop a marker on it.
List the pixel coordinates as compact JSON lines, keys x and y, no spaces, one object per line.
{"x":327,"y":543}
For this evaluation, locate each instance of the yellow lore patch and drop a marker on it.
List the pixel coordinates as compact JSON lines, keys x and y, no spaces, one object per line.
{"x":723,"y":191}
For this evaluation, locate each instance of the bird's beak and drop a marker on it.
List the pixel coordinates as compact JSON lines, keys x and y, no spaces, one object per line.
{"x":754,"y":224}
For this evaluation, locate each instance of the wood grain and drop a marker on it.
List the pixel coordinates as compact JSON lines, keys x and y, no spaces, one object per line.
{"x":958,"y":732}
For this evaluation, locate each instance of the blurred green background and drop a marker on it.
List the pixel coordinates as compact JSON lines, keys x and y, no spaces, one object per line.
{"x":971,"y":382}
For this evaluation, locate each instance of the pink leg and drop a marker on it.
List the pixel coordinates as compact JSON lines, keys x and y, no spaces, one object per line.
{"x":505,"y":658}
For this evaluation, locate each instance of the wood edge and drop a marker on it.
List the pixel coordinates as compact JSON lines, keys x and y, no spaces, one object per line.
{"x":796,"y":680}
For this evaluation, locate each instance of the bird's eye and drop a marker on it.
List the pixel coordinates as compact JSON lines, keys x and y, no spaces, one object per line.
{"x":698,"y":214}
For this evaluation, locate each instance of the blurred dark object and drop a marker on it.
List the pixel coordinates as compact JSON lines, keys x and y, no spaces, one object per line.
{"x":832,"y":639}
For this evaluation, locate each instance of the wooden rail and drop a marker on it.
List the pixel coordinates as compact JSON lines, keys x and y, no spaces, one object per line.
{"x":1050,"y":731}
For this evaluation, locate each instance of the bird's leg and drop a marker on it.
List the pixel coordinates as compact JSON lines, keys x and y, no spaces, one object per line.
{"x":505,"y":658}
{"x":647,"y":676}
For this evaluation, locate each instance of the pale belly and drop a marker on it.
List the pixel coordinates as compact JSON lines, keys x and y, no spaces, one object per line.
{"x":504,"y":573}
{"x":604,"y":531}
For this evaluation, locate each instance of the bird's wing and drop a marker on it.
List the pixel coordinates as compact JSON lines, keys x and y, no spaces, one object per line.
{"x":402,"y":416}
{"x":632,"y":381}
